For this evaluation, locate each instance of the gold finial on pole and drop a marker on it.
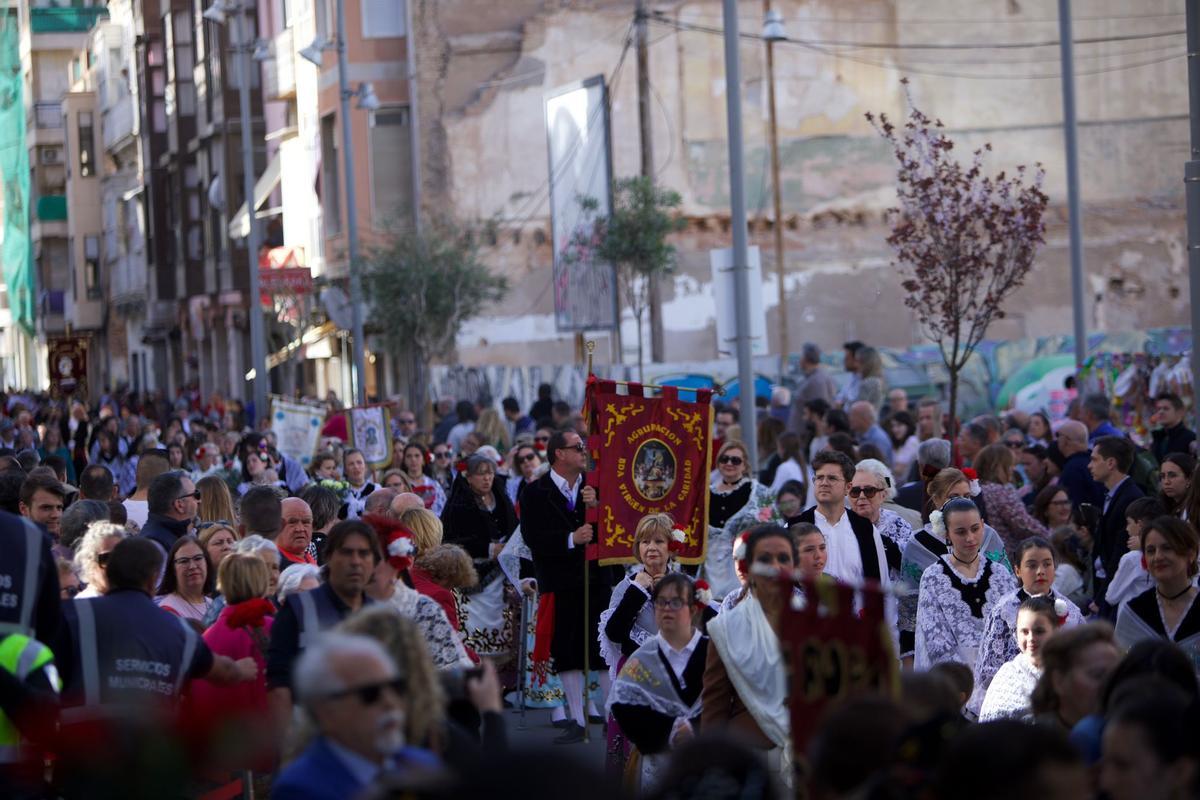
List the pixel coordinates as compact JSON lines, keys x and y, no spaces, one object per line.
{"x":591,"y":352}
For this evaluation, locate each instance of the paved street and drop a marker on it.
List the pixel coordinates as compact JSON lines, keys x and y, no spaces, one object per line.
{"x":537,"y":732}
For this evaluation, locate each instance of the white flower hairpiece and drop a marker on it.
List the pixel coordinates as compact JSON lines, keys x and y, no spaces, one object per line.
{"x":704,"y":594}
{"x":974,"y":488}
{"x":739,"y":548}
{"x":679,"y":535}
{"x":1060,"y":609}
{"x":401,"y":547}
{"x":937,"y":524}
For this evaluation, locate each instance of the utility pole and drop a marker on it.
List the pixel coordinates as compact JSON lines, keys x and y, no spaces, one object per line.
{"x":741,"y":256}
{"x":643,"y":85}
{"x":1191,"y":179}
{"x":356,"y":296}
{"x":1075,"y":221}
{"x":770,"y":36}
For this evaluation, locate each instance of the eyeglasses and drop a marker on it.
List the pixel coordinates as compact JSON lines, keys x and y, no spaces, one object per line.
{"x":369,"y":695}
{"x":868,"y":491}
{"x":828,"y":479}
{"x":737,"y":461}
{"x":305,"y":521}
{"x":670,"y":603}
{"x":183,"y":562}
{"x":194,"y":495}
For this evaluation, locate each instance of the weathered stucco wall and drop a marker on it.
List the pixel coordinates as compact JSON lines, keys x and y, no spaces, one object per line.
{"x":486,"y":67}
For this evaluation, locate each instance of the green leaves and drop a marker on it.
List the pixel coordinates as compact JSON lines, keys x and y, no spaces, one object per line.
{"x":424,"y":286}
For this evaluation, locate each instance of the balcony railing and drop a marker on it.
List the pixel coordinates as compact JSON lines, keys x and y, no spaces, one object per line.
{"x":48,"y":115}
{"x":118,"y":122}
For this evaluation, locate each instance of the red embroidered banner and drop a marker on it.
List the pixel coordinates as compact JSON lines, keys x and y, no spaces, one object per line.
{"x":650,"y":456}
{"x":833,"y":652}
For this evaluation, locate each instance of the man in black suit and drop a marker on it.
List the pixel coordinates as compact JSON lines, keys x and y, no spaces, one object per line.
{"x":553,"y":525}
{"x":1111,"y":461}
{"x":931,"y":453}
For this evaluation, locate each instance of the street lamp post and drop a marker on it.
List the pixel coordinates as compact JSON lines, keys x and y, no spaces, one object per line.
{"x":773,"y":32}
{"x":258,"y":340}
{"x":356,"y":298}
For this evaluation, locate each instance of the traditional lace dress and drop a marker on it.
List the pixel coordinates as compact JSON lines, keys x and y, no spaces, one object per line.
{"x":924,"y":549}
{"x":998,"y":644}
{"x":445,"y":646}
{"x":951,"y":610}
{"x":1008,"y":695}
{"x":644,"y":627}
{"x":731,"y":511}
{"x":1142,"y":618}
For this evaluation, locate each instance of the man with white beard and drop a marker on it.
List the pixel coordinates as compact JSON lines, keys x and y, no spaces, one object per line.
{"x":354,"y":694}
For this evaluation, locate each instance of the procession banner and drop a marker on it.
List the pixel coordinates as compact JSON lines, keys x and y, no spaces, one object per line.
{"x":651,"y":456}
{"x":297,"y":427}
{"x":68,"y":361}
{"x":371,"y":432}
{"x":833,"y":651}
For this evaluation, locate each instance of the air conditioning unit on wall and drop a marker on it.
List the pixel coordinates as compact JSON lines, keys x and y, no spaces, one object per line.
{"x":50,"y":155}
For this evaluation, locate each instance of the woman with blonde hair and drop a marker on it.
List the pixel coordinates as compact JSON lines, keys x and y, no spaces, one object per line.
{"x":493,"y":430}
{"x":217,"y":539}
{"x":242,"y":630}
{"x":735,"y":501}
{"x":216,"y":503}
{"x":426,"y":537}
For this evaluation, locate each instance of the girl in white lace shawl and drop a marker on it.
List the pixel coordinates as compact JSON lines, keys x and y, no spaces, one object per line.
{"x":1169,"y":610}
{"x":998,"y":645}
{"x":628,"y":622}
{"x":957,"y":592}
{"x":927,"y":546}
{"x":656,"y":698}
{"x":736,"y":502}
{"x":1008,"y":696}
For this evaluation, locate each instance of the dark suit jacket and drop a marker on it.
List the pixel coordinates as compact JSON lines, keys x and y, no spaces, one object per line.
{"x":1111,"y":539}
{"x":912,"y":495}
{"x":1078,"y":482}
{"x":546,"y":524}
{"x":318,"y":774}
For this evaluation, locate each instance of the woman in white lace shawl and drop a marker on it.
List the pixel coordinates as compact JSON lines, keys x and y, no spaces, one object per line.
{"x":1169,"y":610}
{"x":957,"y":592}
{"x":1008,"y":695}
{"x":928,"y":545}
{"x":736,"y":501}
{"x":1035,"y":564}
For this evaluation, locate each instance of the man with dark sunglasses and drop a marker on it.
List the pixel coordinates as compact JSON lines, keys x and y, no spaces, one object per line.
{"x":554,"y":526}
{"x":355,"y":694}
{"x":173,"y":503}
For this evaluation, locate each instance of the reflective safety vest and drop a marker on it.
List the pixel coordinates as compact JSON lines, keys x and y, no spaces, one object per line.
{"x":22,"y":656}
{"x":21,"y":544}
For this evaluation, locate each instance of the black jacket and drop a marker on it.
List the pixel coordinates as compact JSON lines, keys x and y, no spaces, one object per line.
{"x":164,"y":530}
{"x":1111,"y":538}
{"x":1172,"y":440}
{"x":468,"y":525}
{"x":546,"y":524}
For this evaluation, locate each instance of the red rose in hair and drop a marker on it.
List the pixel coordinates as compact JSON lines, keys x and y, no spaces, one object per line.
{"x":251,"y":613}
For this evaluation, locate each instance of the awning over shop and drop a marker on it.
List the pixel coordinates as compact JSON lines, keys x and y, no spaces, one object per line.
{"x":239,"y":226}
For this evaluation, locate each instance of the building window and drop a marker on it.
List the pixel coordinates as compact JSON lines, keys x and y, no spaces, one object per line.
{"x":91,"y":268}
{"x":383,"y":18}
{"x":391,"y":167}
{"x":331,"y":186}
{"x":87,"y":145}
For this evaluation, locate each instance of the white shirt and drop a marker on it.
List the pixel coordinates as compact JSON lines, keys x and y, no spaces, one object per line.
{"x":678,"y":659}
{"x":137,"y":511}
{"x":571,"y":493}
{"x":844,"y":561}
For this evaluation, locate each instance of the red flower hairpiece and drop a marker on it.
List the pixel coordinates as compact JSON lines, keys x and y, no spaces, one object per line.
{"x":971,"y":474}
{"x":250,"y":614}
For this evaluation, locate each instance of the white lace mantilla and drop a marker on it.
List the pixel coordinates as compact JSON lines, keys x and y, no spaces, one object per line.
{"x":445,"y":647}
{"x":644,"y":626}
{"x":947,"y":630}
{"x":1008,"y":696}
{"x":643,"y":681}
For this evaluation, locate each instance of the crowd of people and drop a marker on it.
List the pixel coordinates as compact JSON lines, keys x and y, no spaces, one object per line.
{"x":232,"y":620}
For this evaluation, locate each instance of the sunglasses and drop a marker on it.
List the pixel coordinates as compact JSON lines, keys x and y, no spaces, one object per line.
{"x":869,"y":491}
{"x":369,"y":695}
{"x":1015,"y":445}
{"x":737,"y":461}
{"x":578,"y":448}
{"x":441,"y":454}
{"x":408,"y":421}
{"x":524,"y":458}
{"x":194,"y":495}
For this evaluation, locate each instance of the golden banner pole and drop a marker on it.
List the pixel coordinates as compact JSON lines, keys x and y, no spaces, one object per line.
{"x":587,"y":589}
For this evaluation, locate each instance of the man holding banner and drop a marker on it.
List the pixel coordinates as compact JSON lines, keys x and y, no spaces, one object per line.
{"x":553,"y":524}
